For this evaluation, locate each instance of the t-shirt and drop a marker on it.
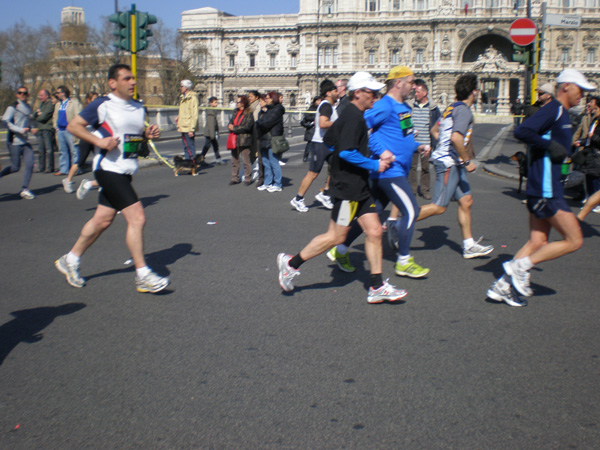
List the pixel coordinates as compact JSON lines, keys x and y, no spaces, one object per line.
{"x":391,"y":122}
{"x":324,"y":109}
{"x":550,"y":123}
{"x":113,"y":116}
{"x":349,"y":132}
{"x":456,"y":118}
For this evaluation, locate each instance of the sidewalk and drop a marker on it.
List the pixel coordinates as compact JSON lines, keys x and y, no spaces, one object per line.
{"x":495,"y":158}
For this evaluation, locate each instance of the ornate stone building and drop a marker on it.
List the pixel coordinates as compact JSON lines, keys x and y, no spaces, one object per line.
{"x":438,"y":39}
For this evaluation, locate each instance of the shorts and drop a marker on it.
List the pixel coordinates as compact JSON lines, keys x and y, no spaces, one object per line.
{"x":345,"y":211}
{"x":545,"y":208}
{"x":116,"y":191}
{"x":450,"y":182}
{"x":85,"y":148}
{"x":318,"y":154}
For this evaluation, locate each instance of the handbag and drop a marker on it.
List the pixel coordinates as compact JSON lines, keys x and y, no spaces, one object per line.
{"x":231,"y":141}
{"x":279,"y":144}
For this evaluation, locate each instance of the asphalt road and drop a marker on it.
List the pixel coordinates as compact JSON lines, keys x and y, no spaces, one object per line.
{"x":224,"y":360}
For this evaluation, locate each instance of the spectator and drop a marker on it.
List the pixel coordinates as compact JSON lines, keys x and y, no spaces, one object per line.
{"x":269,"y":124}
{"x":517,"y":110}
{"x":258,"y":170}
{"x":211,"y":131}
{"x":45,"y":132}
{"x":187,"y":120}
{"x":65,"y":111}
{"x":242,"y":125}
{"x":342,"y":98}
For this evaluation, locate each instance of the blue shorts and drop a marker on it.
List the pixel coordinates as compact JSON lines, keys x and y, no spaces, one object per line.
{"x":545,"y":208}
{"x":318,"y":155}
{"x":450,"y":183}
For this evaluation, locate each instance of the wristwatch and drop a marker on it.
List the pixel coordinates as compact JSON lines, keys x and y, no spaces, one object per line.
{"x":466,"y":163}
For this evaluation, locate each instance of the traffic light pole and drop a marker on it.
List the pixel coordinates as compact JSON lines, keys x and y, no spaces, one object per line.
{"x":134,"y":49}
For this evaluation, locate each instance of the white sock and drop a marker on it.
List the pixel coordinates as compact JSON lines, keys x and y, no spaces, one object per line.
{"x":468,"y":243}
{"x":142,"y":271}
{"x":88,"y":185}
{"x":524,"y":263}
{"x":73,"y":259}
{"x":403,"y":259}
{"x":342,"y":249}
{"x":502,"y":282}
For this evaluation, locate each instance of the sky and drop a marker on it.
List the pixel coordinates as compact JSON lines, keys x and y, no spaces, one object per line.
{"x":47,"y":12}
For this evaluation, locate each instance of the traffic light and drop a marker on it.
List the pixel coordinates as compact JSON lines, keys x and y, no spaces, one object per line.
{"x":522,"y":54}
{"x":142,"y":32}
{"x":123,"y":31}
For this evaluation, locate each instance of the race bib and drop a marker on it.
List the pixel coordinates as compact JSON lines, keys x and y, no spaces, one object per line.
{"x":406,"y":124}
{"x":131,"y":145}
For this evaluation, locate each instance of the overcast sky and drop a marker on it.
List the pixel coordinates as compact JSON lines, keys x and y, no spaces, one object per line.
{"x":43,"y":12}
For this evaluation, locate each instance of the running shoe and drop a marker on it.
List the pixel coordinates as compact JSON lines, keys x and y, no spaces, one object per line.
{"x":342,"y":261}
{"x":476,"y":250}
{"x":299,"y":205}
{"x":385,"y":292}
{"x":410,"y":269}
{"x":27,"y":194}
{"x":262,"y":187}
{"x":274,"y":188}
{"x":82,"y":190}
{"x":392,"y":234}
{"x":281,"y":163}
{"x":596,"y":209}
{"x":151,"y":283}
{"x":67,"y":186}
{"x":286,"y":273}
{"x":518,"y":277}
{"x":71,"y":271}
{"x":507,"y":295}
{"x":325,"y":200}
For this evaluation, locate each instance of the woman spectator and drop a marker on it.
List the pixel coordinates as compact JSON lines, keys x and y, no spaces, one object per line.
{"x":242,"y":124}
{"x":269,"y":124}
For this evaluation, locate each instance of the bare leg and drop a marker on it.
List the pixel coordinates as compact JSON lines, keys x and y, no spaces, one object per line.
{"x":372,"y":227}
{"x":464,"y":216}
{"x":430,"y":210}
{"x":136,"y":219}
{"x":306,"y":182}
{"x":72,"y":172}
{"x":592,"y":202}
{"x":94,"y":227}
{"x":335,"y":235}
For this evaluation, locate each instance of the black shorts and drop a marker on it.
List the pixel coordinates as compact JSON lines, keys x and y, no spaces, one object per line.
{"x":318,"y":154}
{"x":116,"y":191}
{"x":345,"y":211}
{"x":544,"y":208}
{"x":85,"y":148}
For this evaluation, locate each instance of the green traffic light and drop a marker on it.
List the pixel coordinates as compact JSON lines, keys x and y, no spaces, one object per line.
{"x":522,"y":54}
{"x":142,"y":32}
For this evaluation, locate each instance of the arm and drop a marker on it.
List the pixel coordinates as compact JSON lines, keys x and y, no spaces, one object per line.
{"x":194,"y":115}
{"x":354,"y":157}
{"x":46,"y":113}
{"x":269,"y":119}
{"x":458,"y":142}
{"x":246,"y":126}
{"x":9,"y":119}
{"x":77,"y":127}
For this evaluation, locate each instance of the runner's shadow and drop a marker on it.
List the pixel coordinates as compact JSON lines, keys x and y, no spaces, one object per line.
{"x":338,"y":279}
{"x":436,"y":237}
{"x":36,"y":192}
{"x":157,"y":261}
{"x":28,"y":324}
{"x":151,"y":201}
{"x":588,"y":230}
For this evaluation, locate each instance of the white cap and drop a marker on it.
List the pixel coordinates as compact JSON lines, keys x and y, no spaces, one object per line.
{"x":364,"y":80}
{"x":575,"y":77}
{"x":547,"y":88}
{"x":186,"y":84}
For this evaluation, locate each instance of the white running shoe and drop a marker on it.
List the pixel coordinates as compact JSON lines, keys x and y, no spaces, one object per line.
{"x":82,"y":190}
{"x":71,"y":271}
{"x":325,"y":200}
{"x":505,"y":294}
{"x":477,"y":250}
{"x":68,"y":186}
{"x":286,"y":273}
{"x":151,"y":283}
{"x":519,"y":278}
{"x":299,"y":204}
{"x":27,"y":194}
{"x":274,"y":188}
{"x":262,"y":187}
{"x":385,"y":292}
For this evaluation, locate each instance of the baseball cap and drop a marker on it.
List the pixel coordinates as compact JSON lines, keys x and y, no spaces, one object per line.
{"x":575,"y":77}
{"x":186,"y":84}
{"x":364,"y":80}
{"x":546,"y":88}
{"x":399,"y":72}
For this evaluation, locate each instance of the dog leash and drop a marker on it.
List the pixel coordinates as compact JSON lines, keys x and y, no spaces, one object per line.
{"x":160,"y":157}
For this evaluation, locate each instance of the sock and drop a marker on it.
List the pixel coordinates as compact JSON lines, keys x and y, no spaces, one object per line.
{"x":296,"y":262}
{"x":376,"y":280}
{"x":503,"y":283}
{"x":342,"y":249}
{"x":73,"y":259}
{"x":392,"y":219}
{"x":142,"y":271}
{"x":299,"y":197}
{"x":88,"y":185}
{"x":403,"y":259}
{"x":524,"y":263}
{"x":468,"y":243}
{"x":326,"y":192}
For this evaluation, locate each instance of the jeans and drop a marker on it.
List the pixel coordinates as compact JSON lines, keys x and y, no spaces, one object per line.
{"x":189,"y":146}
{"x":215,"y":145}
{"x":272,"y":168}
{"x":67,"y":151}
{"x":46,"y":149}
{"x":16,"y":151}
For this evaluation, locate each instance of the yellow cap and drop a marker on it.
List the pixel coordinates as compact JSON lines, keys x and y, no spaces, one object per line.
{"x":399,"y":72}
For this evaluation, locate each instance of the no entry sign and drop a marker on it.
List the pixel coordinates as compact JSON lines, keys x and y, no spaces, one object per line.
{"x":523,"y":31}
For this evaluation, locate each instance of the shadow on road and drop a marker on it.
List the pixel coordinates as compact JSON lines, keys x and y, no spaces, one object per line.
{"x":436,"y":237}
{"x":28,"y":324}
{"x":151,"y":201}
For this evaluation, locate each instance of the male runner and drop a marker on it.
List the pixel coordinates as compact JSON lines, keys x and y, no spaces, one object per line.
{"x":549,"y":135}
{"x":350,"y":190}
{"x":120,"y":130}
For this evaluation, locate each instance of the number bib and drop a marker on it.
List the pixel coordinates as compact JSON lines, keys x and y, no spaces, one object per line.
{"x":131,"y":145}
{"x":406,"y":124}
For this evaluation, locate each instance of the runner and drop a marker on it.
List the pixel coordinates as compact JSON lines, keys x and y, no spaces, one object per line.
{"x":549,"y":134}
{"x":350,"y":191}
{"x":119,"y":124}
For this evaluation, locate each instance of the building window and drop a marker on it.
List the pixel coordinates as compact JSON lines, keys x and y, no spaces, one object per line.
{"x":231,"y":60}
{"x":252,"y":60}
{"x":327,"y":60}
{"x":294,"y":60}
{"x":272,"y":59}
{"x":492,"y":3}
{"x":395,"y":5}
{"x":566,"y":3}
{"x":564,"y":56}
{"x":419,"y":57}
{"x":420,"y":5}
{"x":591,"y":56}
{"x":591,"y":3}
{"x":371,"y":5}
{"x":371,"y":57}
{"x":154,"y":89}
{"x":395,"y":59}
{"x":327,"y":56}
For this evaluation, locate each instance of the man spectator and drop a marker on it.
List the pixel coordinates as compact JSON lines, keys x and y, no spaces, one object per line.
{"x":325,"y":116}
{"x":119,"y":122}
{"x":16,"y":117}
{"x":517,"y":110}
{"x":549,"y":135}
{"x":45,"y":131}
{"x":545,"y":94}
{"x":452,"y":163}
{"x":342,"y":98}
{"x":211,"y":130}
{"x":425,"y":115}
{"x":187,"y":120}
{"x":582,"y":132}
{"x":65,"y":111}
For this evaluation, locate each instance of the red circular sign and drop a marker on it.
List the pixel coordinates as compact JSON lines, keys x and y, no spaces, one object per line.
{"x":523,"y":31}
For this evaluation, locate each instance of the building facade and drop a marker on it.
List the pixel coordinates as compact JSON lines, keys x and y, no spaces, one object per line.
{"x":438,"y":39}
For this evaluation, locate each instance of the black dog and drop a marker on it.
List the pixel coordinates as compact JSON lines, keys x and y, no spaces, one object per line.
{"x":521,"y":158}
{"x":191,"y":165}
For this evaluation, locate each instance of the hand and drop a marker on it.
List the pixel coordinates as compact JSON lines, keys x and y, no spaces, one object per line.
{"x":153,"y":132}
{"x":470,"y":167}
{"x":26,"y":130}
{"x":384,"y":164}
{"x":424,"y":150}
{"x":109,"y":143}
{"x":577,"y":144}
{"x":191,"y":134}
{"x":176,"y":119}
{"x":230,"y":127}
{"x":388,"y":156}
{"x":34,"y":130}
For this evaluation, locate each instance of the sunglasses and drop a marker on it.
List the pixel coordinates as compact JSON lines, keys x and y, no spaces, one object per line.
{"x":369,"y":91}
{"x":22,"y":92}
